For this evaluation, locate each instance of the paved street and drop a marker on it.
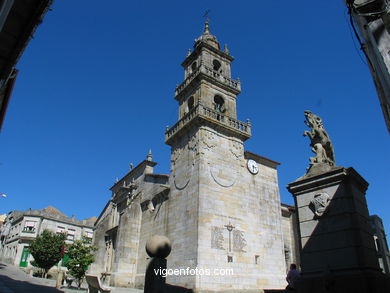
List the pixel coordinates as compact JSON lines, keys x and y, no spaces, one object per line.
{"x":13,"y":280}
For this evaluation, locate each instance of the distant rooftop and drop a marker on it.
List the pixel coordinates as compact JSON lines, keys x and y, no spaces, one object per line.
{"x":52,"y":213}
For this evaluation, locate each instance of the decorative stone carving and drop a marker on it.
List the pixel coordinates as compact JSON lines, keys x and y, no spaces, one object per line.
{"x":319,"y":141}
{"x":151,"y":206}
{"x":128,"y":192}
{"x":181,"y":180}
{"x":226,"y":178}
{"x":319,"y":203}
{"x":217,"y":238}
{"x":176,"y":152}
{"x":236,"y":148}
{"x":186,"y":156}
{"x":230,"y":228}
{"x":193,"y":145}
{"x":239,"y":241}
{"x":209,"y":140}
{"x":132,"y":197}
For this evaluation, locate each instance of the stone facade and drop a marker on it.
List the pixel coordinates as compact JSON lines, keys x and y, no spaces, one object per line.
{"x":290,"y":235}
{"x":371,"y":18}
{"x":381,"y":245}
{"x":21,"y":228}
{"x":219,"y":206}
{"x":337,"y":246}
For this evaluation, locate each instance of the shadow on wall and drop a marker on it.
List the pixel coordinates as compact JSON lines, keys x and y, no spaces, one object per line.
{"x":339,"y":239}
{"x":338,"y":249}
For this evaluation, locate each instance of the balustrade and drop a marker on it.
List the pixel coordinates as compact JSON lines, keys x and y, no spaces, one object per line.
{"x":210,"y":72}
{"x":203,"y":111}
{"x":28,"y":230}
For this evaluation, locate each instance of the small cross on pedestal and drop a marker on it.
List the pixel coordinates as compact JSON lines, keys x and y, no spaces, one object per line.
{"x":230,"y":228}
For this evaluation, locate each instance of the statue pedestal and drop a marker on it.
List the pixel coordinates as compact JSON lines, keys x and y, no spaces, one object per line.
{"x":337,"y":246}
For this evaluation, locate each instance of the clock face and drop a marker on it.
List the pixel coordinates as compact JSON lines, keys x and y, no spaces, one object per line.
{"x":252,"y":167}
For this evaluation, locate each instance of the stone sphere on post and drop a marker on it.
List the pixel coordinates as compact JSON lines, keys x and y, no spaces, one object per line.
{"x":158,"y":246}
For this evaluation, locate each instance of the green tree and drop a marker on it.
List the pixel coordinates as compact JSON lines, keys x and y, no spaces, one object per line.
{"x":47,"y":250}
{"x":80,"y":257}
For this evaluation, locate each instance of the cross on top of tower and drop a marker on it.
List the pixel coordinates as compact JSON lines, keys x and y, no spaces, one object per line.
{"x":206,"y":23}
{"x":207,"y":37}
{"x":206,"y":15}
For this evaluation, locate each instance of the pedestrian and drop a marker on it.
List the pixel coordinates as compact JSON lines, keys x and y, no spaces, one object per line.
{"x":293,"y":276}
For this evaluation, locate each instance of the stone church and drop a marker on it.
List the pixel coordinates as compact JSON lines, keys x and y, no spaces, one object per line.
{"x":220,"y":205}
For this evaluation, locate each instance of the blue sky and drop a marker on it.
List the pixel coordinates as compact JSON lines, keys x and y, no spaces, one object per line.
{"x":96,"y":86}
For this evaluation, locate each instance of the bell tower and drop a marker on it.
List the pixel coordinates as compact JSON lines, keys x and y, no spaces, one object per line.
{"x":222,"y":214}
{"x":207,"y":78}
{"x":208,"y":88}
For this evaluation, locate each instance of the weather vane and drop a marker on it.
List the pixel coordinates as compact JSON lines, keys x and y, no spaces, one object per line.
{"x":206,"y":15}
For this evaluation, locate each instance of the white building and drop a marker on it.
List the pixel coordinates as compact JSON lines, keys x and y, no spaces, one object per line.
{"x":21,"y":228}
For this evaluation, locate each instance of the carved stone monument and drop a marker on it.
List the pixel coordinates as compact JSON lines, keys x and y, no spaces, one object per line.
{"x":321,"y":145}
{"x":337,"y":246}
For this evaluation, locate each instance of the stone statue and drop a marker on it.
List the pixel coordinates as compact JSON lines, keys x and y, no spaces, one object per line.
{"x":319,"y":141}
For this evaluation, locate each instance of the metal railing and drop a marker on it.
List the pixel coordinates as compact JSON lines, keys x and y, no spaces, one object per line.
{"x":28,"y":230}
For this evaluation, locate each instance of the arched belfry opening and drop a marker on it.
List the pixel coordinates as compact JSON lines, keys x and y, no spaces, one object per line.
{"x":217,"y":66}
{"x":194,"y":65}
{"x":219,"y":104}
{"x":190,"y":103}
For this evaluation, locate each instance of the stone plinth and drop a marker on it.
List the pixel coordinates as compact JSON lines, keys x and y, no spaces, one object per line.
{"x":337,"y":247}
